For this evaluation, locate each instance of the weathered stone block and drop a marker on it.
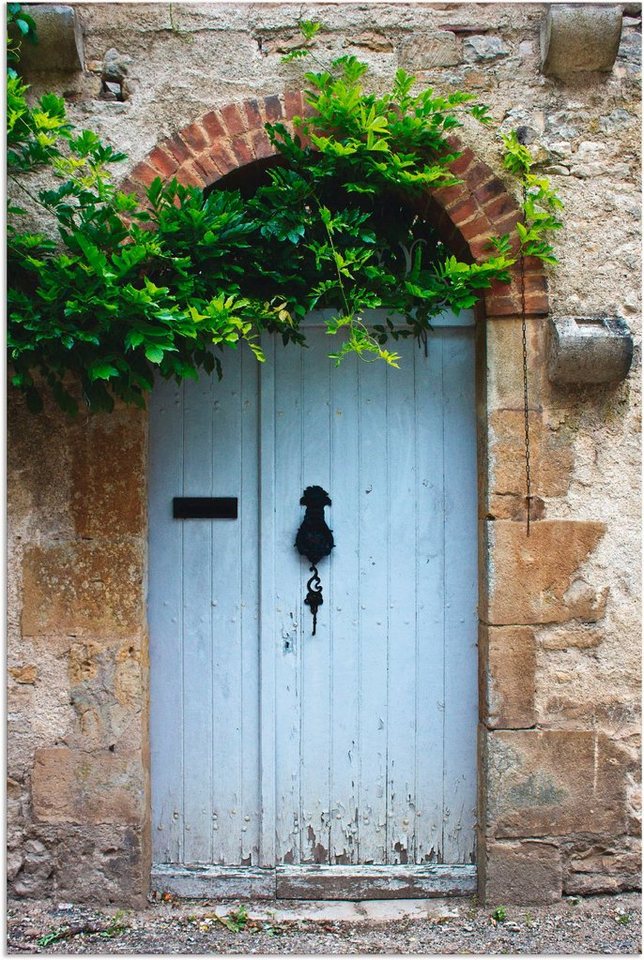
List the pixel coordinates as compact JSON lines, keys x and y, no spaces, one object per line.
{"x":38,"y":468}
{"x":580,"y":37}
{"x":554,"y":783}
{"x":505,"y":364}
{"x":532,"y":578}
{"x":589,"y":349}
{"x":28,"y":674}
{"x":83,"y":661}
{"x":423,"y":53}
{"x":71,"y":786}
{"x":582,"y":636}
{"x":551,"y":455}
{"x":630,"y":50}
{"x":527,"y":873}
{"x":60,"y":40}
{"x":512,"y":506}
{"x":93,"y":863}
{"x":88,"y":587}
{"x":482,"y":47}
{"x":111,"y":859}
{"x":510,"y":677}
{"x":608,"y":867}
{"x":370,"y":40}
{"x":106,"y":695}
{"x":34,"y":869}
{"x":588,"y":710}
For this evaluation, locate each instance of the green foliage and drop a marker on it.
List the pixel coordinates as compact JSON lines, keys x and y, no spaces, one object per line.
{"x":500,"y":914}
{"x":113,"y":291}
{"x":20,"y":26}
{"x":236,"y":920}
{"x":59,"y":933}
{"x":115,"y":927}
{"x":308,"y":29}
{"x":540,"y":203}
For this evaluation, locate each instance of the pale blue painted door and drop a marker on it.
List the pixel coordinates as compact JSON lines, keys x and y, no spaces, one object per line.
{"x":353,"y":749}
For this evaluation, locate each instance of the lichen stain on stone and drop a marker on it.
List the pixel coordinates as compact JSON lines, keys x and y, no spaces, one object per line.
{"x":536,"y":790}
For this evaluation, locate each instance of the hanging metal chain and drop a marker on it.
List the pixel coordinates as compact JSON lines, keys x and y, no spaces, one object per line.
{"x":526,"y":412}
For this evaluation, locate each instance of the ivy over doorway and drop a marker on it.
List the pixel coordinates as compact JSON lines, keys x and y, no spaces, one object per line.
{"x":116,"y":287}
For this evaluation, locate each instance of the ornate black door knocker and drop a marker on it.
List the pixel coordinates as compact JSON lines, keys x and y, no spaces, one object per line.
{"x":314,"y":540}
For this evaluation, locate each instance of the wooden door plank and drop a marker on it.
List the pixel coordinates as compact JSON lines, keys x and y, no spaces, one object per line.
{"x":287,"y":599}
{"x":343,"y":577}
{"x":249,"y":614}
{"x":461,"y":615}
{"x":196,"y":565}
{"x":214,"y":882}
{"x":267,"y":632}
{"x":315,"y":712}
{"x":323,"y":882}
{"x":401,"y":614}
{"x":372,"y":628}
{"x":430,"y":694}
{"x":226,"y":619}
{"x":165,"y":620}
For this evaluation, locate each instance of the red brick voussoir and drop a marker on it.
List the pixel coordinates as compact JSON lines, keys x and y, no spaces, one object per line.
{"x":467,"y":215}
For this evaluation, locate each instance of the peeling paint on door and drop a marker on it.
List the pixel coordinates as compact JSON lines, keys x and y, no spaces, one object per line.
{"x":375,"y":716}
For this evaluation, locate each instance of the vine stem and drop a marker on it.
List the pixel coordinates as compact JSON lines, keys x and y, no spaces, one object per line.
{"x":335,"y":260}
{"x":348,"y":312}
{"x":31,"y":196}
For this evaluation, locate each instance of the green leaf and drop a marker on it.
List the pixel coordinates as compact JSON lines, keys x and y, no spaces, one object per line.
{"x":154,"y":353}
{"x":309,"y":28}
{"x":102,"y":371}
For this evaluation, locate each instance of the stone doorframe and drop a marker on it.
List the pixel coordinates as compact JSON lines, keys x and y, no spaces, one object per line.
{"x":85,"y":785}
{"x":518,"y":855}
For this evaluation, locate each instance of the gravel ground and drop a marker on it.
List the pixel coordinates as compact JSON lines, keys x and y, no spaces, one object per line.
{"x":609,"y":925}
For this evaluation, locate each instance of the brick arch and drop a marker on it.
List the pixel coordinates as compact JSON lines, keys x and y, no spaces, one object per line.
{"x":466,"y":215}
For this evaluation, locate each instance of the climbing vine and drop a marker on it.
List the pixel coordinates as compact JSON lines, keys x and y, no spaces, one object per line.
{"x":113,"y":288}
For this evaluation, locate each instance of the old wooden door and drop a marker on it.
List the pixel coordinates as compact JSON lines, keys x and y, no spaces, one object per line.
{"x":340,"y":764}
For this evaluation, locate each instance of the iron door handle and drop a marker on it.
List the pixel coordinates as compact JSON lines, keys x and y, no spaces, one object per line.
{"x":314,"y":541}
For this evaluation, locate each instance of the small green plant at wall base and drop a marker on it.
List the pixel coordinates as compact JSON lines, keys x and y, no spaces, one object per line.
{"x":114,"y":290}
{"x":115,"y":927}
{"x":500,"y":914}
{"x":52,"y":937}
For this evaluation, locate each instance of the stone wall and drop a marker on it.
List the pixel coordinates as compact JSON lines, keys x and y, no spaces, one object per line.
{"x":559,"y":639}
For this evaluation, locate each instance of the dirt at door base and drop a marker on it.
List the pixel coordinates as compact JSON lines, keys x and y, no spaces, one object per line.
{"x":603,"y":925}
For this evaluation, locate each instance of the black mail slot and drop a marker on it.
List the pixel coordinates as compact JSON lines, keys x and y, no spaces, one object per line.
{"x":204,"y":508}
